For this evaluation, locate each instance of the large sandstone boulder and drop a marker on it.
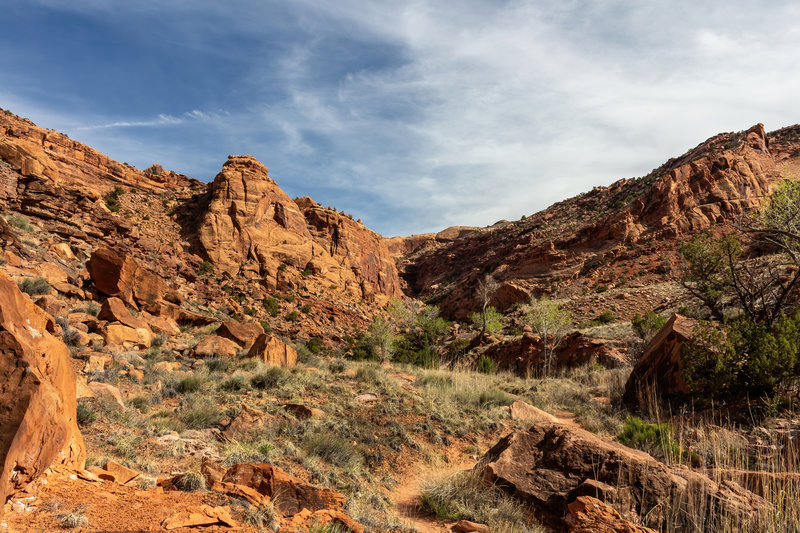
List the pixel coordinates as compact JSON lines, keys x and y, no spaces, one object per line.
{"x":212,"y":346}
{"x":657,"y":373}
{"x":115,"y":274}
{"x":114,"y":310}
{"x":37,"y":394}
{"x":242,"y":333}
{"x":273,"y":351}
{"x":551,"y":464}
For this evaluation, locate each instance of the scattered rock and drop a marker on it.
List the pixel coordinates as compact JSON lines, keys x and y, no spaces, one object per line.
{"x":108,"y":391}
{"x":289,"y":494}
{"x":205,"y":515}
{"x":590,"y":515}
{"x":249,"y":421}
{"x":365,"y":398}
{"x":465,"y":526}
{"x":303,"y":412}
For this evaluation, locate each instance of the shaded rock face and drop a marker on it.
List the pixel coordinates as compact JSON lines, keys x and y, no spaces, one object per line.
{"x":621,"y":228}
{"x":350,"y":243}
{"x":658,"y":370}
{"x":37,"y":395}
{"x":252,"y":226}
{"x":550,"y":465}
{"x":524,"y":355}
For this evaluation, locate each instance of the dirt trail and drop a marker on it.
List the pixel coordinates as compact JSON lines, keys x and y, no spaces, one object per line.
{"x":407,"y":495}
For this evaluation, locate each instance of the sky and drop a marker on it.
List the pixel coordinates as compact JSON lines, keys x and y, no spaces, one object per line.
{"x":413,"y":116}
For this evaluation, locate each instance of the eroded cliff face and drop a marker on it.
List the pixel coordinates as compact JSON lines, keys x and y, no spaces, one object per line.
{"x":630,"y":229}
{"x":252,"y":227}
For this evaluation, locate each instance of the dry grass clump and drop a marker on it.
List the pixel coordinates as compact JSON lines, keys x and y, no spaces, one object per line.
{"x":466,"y":496}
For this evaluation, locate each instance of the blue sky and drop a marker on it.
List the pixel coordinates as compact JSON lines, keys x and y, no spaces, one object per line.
{"x":413,"y":116}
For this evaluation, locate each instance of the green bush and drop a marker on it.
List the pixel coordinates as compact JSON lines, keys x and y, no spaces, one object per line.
{"x":271,"y":306}
{"x":648,"y":325}
{"x":743,"y":358}
{"x":292,"y":317}
{"x":485,"y":365}
{"x":606,"y":317}
{"x":494,"y":320}
{"x":112,"y":199}
{"x":655,"y":439}
{"x":205,"y":267}
{"x":305,"y":309}
{"x":34,"y":286}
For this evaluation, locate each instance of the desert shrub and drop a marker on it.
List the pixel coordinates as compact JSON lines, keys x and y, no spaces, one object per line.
{"x":21,"y":223}
{"x":292,"y":317}
{"x":647,"y":325}
{"x":606,"y":317}
{"x":305,"y":309}
{"x":34,"y":286}
{"x":217,"y":364}
{"x":204,"y":268}
{"x":268,"y":379}
{"x":493,"y":397}
{"x":271,"y":306}
{"x":421,"y":343}
{"x":234,"y":384}
{"x":70,"y":336}
{"x":655,"y":439}
{"x":360,"y":347}
{"x":200,"y":414}
{"x":485,"y":365}
{"x":72,"y":520}
{"x":112,"y":199}
{"x":457,"y":348}
{"x":85,"y":415}
{"x":190,"y":383}
{"x":263,"y":516}
{"x":315,"y":345}
{"x":332,"y":448}
{"x":191,"y":481}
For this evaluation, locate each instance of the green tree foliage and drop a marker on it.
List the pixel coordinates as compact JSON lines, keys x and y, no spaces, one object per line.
{"x":708,"y":270}
{"x":551,"y":323}
{"x":381,"y":336}
{"x":743,"y":358}
{"x":490,"y":321}
{"x":420,"y":344}
{"x":647,"y":325}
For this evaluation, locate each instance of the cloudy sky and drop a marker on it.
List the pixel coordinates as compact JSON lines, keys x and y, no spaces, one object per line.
{"x":413,"y":116}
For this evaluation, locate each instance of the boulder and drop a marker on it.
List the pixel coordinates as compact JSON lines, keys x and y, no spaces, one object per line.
{"x":249,"y":421}
{"x":288,"y":493}
{"x":273,"y":351}
{"x":117,"y":274}
{"x":658,"y":371}
{"x":550,"y":465}
{"x":108,"y":391}
{"x":242,"y":333}
{"x":52,"y":305}
{"x":37,"y":395}
{"x":215,"y":346}
{"x":303,"y":412}
{"x":119,"y":334}
{"x":114,"y":310}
